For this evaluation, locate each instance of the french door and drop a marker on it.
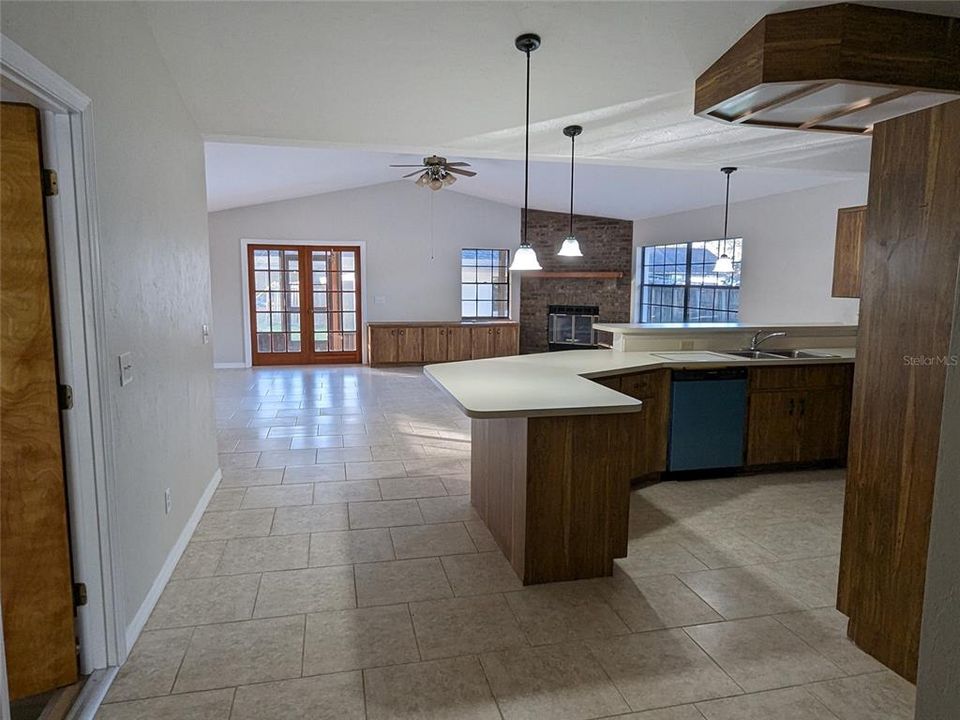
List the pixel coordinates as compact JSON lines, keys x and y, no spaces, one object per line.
{"x":304,"y":304}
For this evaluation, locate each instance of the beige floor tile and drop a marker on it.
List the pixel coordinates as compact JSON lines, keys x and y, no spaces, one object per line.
{"x":195,"y":706}
{"x":560,"y":682}
{"x":374,"y":470}
{"x":788,"y":704}
{"x":303,"y":428}
{"x":795,"y":540}
{"x":480,"y":573}
{"x":350,"y":546}
{"x":661,"y":668}
{"x":456,"y":484}
{"x":199,"y":559}
{"x":397,"y":452}
{"x":287,"y":458}
{"x":825,"y":629}
{"x":357,"y":639}
{"x":385,"y":513}
{"x":813,"y":581}
{"x":234,"y":524}
{"x":241,"y":653}
{"x":661,"y":558}
{"x":436,"y":466}
{"x":344,"y":455}
{"x":344,"y":492}
{"x":279,"y":552}
{"x":419,"y":487}
{"x":152,"y":666}
{"x":277,"y":496}
{"x":761,"y":654}
{"x":561,"y":612}
{"x":482,"y":537}
{"x":328,"y":697}
{"x":248,"y":477}
{"x":262,"y":444}
{"x":877,"y":696}
{"x":310,"y":519}
{"x":456,"y":508}
{"x":725,"y":548}
{"x":316,"y":442}
{"x":741,"y":592}
{"x":680,"y":712}
{"x":399,"y":581}
{"x":655,"y":602}
{"x":431,"y":540}
{"x":204,"y":600}
{"x":453,"y":689}
{"x":234,"y":461}
{"x":225,"y":499}
{"x":465,"y":626}
{"x":325,"y":473}
{"x":292,"y":592}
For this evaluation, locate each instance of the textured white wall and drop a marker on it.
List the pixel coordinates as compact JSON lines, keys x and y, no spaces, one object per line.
{"x":419,"y":277}
{"x":788,"y":244}
{"x":154,"y":255}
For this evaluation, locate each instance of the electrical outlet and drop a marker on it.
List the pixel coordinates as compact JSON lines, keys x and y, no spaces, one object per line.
{"x":205,"y":333}
{"x":167,"y":500}
{"x":126,"y":368}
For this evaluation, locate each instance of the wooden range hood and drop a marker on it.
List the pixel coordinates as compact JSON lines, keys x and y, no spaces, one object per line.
{"x":834,"y":68}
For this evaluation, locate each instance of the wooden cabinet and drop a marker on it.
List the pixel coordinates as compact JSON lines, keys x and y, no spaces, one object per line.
{"x":459,"y":343}
{"x":483,"y":342}
{"x":435,"y":344}
{"x":410,"y":345}
{"x":382,"y":346}
{"x":506,"y":340}
{"x":649,"y":445}
{"x":798,"y":414}
{"x":848,"y":253}
{"x":416,"y":343}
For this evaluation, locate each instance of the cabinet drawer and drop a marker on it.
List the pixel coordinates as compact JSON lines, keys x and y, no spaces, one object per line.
{"x":799,"y":376}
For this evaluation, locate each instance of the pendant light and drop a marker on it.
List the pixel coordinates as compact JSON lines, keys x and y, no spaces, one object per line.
{"x":724,"y":264}
{"x":571,"y":246}
{"x":526,"y":257}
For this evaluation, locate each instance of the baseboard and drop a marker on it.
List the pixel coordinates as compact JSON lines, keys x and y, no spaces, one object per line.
{"x":92,"y":694}
{"x":229,"y":366}
{"x":173,"y":557}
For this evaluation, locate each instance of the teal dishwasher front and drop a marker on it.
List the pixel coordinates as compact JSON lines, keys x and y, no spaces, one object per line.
{"x":707,"y":419}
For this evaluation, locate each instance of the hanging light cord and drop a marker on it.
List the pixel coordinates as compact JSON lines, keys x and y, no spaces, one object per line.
{"x":526,"y":157}
{"x":573,"y":140}
{"x":726,"y":211}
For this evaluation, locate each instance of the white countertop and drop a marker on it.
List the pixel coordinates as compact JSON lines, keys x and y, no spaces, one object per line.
{"x":796,"y":329}
{"x":557,"y":383}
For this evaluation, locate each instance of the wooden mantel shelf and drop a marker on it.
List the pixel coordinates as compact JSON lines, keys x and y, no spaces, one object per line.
{"x":575,"y":275}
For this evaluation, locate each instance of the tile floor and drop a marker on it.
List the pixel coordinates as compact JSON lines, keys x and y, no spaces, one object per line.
{"x":340,"y":572}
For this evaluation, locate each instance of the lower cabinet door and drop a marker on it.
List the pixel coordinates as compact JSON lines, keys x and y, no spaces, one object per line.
{"x":434,"y":344}
{"x":655,"y":432}
{"x":484,"y":341}
{"x":824,"y":422}
{"x":383,"y":345}
{"x":506,"y":340}
{"x":773,"y":434}
{"x":459,"y":343}
{"x":410,"y":345}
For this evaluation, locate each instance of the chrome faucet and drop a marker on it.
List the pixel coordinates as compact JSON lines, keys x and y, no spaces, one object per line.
{"x":756,"y":339}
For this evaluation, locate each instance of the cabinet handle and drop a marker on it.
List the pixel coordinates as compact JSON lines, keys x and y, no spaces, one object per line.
{"x":401,"y":332}
{"x":443,"y":332}
{"x":393,"y":332}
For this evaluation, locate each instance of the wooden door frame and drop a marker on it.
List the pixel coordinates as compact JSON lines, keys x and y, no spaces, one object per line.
{"x":245,"y":287}
{"x":83,"y":354}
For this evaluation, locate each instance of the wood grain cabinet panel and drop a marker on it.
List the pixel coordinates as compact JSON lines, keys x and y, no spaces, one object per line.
{"x":434,"y":344}
{"x":773,"y":427}
{"x":410,"y":345}
{"x":382,"y":345}
{"x":506,"y":340}
{"x":824,"y":425}
{"x":848,"y":253}
{"x":484,"y":342}
{"x":459,"y":343}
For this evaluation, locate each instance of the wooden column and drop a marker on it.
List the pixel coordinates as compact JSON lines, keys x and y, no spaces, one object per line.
{"x":555,"y":491}
{"x":910,"y":266}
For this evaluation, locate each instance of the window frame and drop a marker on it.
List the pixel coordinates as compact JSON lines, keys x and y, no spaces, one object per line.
{"x":504,"y":255}
{"x":688,"y":285}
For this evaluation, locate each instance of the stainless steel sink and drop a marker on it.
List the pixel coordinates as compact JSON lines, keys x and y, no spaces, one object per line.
{"x":800,"y":354}
{"x":754,"y":354}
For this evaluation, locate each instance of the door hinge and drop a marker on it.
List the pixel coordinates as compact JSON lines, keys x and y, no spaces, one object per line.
{"x":65,"y":396}
{"x":79,"y":594}
{"x":51,"y":186}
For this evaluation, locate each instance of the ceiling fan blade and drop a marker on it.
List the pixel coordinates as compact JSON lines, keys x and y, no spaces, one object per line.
{"x":415,"y":172}
{"x":458,"y":171}
{"x":458,"y":164}
{"x":419,"y":166}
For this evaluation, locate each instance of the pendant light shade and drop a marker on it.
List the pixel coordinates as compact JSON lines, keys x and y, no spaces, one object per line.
{"x":724,"y":263}
{"x":526,"y":257}
{"x":571,"y":246}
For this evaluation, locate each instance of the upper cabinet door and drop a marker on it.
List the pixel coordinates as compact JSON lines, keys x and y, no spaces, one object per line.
{"x":848,"y":254}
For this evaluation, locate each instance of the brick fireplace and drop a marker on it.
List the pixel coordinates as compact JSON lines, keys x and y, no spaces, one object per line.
{"x":607,"y":245}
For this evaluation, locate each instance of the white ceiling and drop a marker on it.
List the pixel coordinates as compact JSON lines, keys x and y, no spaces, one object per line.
{"x":422,"y":77}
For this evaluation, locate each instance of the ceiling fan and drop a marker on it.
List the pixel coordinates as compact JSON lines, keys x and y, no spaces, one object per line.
{"x":436,"y":173}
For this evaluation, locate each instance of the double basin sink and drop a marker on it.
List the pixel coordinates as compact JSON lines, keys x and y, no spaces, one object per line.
{"x":777,"y":354}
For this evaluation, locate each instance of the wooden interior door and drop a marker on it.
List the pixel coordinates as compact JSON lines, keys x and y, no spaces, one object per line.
{"x":35,"y":573}
{"x":305,"y":304}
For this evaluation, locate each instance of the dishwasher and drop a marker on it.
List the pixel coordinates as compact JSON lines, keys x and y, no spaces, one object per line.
{"x":707,"y":419}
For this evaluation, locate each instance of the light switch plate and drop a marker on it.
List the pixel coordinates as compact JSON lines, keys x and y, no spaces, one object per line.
{"x":205,"y":333}
{"x":126,"y":368}
{"x":167,"y":501}
{"x":379,"y":299}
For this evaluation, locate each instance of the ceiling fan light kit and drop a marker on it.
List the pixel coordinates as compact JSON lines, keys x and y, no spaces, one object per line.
{"x":526,"y":257}
{"x":436,"y":173}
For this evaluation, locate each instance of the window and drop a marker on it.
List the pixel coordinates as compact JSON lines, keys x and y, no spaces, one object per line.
{"x":484,"y":283}
{"x":678,"y":283}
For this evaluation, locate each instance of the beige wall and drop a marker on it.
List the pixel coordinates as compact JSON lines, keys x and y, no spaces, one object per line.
{"x":788,"y":243}
{"x":154,"y":256}
{"x":414,"y":271}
